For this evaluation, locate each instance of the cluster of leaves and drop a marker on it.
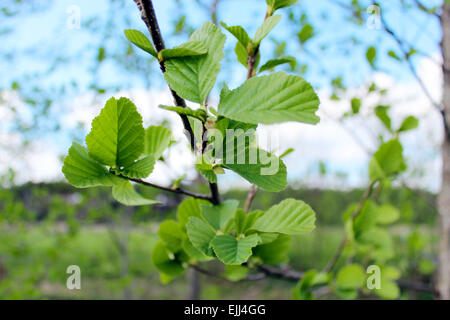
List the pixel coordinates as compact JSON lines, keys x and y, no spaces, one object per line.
{"x":203,"y":232}
{"x":120,"y":150}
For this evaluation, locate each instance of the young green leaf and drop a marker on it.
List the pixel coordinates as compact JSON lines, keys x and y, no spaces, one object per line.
{"x":306,"y":33}
{"x":290,"y":216}
{"x":117,"y":135}
{"x":382,"y":113}
{"x":242,"y":54}
{"x":387,"y":214}
{"x":171,"y":234}
{"x":236,"y":272}
{"x":351,"y":277}
{"x":269,"y":65}
{"x":265,"y":29}
{"x":275,"y":98}
{"x":243,"y":221}
{"x":409,"y":123}
{"x":199,"y":114}
{"x":240,"y":34}
{"x":232,"y":251}
{"x":270,"y":175}
{"x":218,"y":216}
{"x":275,"y":252}
{"x":140,"y":40}
{"x":188,"y":49}
{"x":82,"y":171}
{"x":200,"y":234}
{"x":279,"y":4}
{"x":311,"y":279}
{"x":371,"y":55}
{"x":124,"y":193}
{"x":388,"y":290}
{"x":194,"y":254}
{"x":194,"y":77}
{"x":356,"y":105}
{"x":164,"y":263}
{"x":157,"y":140}
{"x":140,"y":169}
{"x":189,"y":207}
{"x":387,"y":161}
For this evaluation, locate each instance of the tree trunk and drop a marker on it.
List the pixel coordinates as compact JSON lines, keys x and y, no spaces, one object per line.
{"x":444,"y":196}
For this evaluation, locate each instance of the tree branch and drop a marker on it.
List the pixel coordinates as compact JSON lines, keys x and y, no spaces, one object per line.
{"x":173,"y":190}
{"x":407,"y":56}
{"x":149,"y":17}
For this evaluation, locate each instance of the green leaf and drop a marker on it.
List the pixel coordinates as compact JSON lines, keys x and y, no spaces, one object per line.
{"x":141,"y":41}
{"x":270,"y":174}
{"x":311,"y":279}
{"x":239,"y":33}
{"x":194,"y":254}
{"x":269,"y":65}
{"x":286,"y":153}
{"x":275,"y":252}
{"x":82,"y":171}
{"x":231,"y":251}
{"x":199,"y":114}
{"x":200,"y":234}
{"x":387,"y":214}
{"x":194,"y":77}
{"x":388,"y":290}
{"x":157,"y":140}
{"x":388,"y":160}
{"x":275,"y":98}
{"x":140,"y":169}
{"x":243,"y":221}
{"x":306,"y":33}
{"x":290,"y":216}
{"x":356,"y":105}
{"x":371,"y":55}
{"x":117,"y":135}
{"x":242,"y":54}
{"x":171,"y":234}
{"x":394,"y":55}
{"x":190,"y":207}
{"x":409,"y":123}
{"x":382,"y":114}
{"x":219,"y":216}
{"x":279,"y":4}
{"x":351,"y":277}
{"x":265,"y":29}
{"x":366,"y":219}
{"x":188,"y":49}
{"x":236,"y":273}
{"x":164,"y":262}
{"x":124,"y":193}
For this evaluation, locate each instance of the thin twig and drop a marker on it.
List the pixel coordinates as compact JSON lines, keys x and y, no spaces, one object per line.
{"x":251,"y":195}
{"x":174,"y":190}
{"x":407,"y":56}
